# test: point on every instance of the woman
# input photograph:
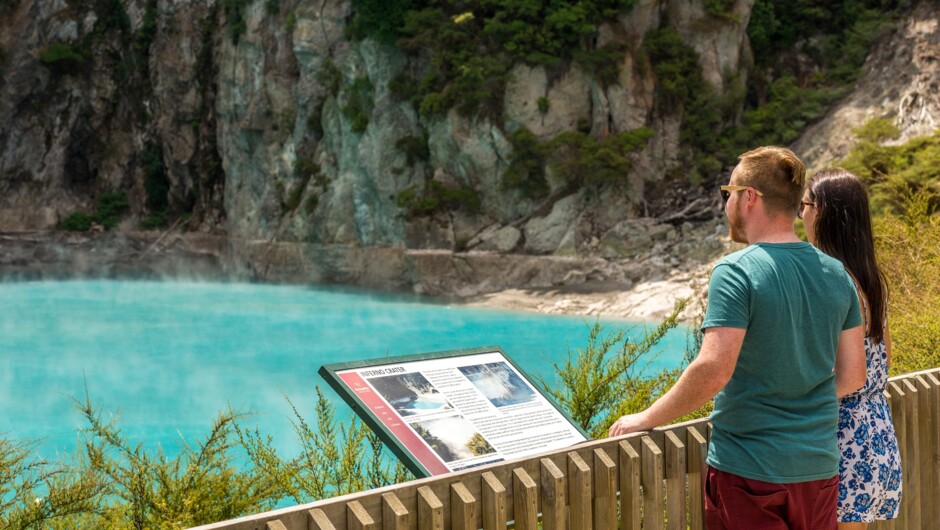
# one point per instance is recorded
(837, 219)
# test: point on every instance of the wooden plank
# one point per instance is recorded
(912, 437)
(696, 451)
(524, 500)
(675, 482)
(463, 508)
(275, 525)
(630, 493)
(652, 481)
(933, 379)
(933, 448)
(394, 514)
(317, 520)
(605, 491)
(928, 497)
(579, 492)
(554, 490)
(430, 510)
(357, 518)
(899, 416)
(494, 502)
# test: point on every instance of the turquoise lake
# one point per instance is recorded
(164, 358)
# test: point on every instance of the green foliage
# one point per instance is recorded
(579, 158)
(110, 208)
(887, 168)
(202, 484)
(609, 377)
(414, 148)
(273, 7)
(156, 184)
(112, 16)
(910, 257)
(62, 58)
(335, 458)
(37, 494)
(720, 8)
(234, 17)
(76, 222)
(290, 22)
(330, 77)
(683, 89)
(472, 46)
(544, 104)
(576, 157)
(904, 189)
(789, 109)
(379, 19)
(604, 62)
(526, 171)
(437, 198)
(359, 104)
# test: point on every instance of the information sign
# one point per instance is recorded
(447, 411)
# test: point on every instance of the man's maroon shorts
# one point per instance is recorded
(737, 503)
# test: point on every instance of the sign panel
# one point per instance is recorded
(448, 411)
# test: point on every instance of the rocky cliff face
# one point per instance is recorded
(236, 116)
(901, 81)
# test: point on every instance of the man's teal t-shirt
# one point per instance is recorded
(776, 419)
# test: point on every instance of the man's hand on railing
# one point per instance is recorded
(628, 424)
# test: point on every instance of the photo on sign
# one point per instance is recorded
(499, 383)
(410, 394)
(453, 438)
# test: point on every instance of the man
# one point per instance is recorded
(782, 338)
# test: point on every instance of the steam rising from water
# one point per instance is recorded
(167, 357)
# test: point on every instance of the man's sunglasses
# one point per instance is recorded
(726, 191)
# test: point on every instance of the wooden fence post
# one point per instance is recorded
(430, 510)
(524, 500)
(494, 502)
(629, 487)
(317, 520)
(652, 479)
(394, 514)
(357, 518)
(696, 451)
(463, 508)
(579, 492)
(605, 491)
(675, 482)
(554, 488)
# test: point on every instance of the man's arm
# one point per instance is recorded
(703, 378)
(850, 361)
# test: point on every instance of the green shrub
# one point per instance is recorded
(76, 222)
(62, 58)
(437, 198)
(608, 378)
(110, 208)
(156, 184)
(359, 104)
(544, 104)
(415, 149)
(904, 186)
(576, 157)
(526, 171)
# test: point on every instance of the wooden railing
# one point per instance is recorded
(651, 481)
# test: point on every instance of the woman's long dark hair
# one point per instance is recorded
(843, 230)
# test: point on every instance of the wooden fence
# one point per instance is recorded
(651, 481)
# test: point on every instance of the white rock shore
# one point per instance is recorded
(643, 302)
